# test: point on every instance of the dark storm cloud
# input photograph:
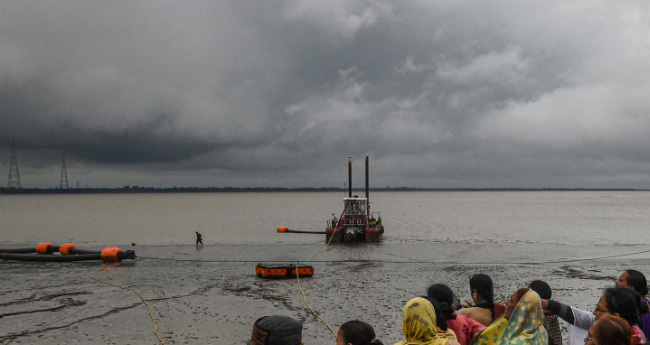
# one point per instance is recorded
(442, 94)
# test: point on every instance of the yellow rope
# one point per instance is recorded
(308, 306)
(322, 250)
(304, 297)
(155, 325)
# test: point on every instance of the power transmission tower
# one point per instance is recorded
(14, 176)
(64, 175)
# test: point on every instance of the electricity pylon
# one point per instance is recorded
(64, 175)
(14, 177)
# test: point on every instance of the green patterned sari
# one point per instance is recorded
(523, 328)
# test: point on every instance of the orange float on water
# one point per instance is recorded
(43, 248)
(68, 251)
(64, 249)
(109, 254)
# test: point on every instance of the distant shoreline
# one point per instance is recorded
(137, 189)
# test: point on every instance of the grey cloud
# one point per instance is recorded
(487, 94)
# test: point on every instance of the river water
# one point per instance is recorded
(554, 217)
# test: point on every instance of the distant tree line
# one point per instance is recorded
(138, 189)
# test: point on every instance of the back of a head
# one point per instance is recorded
(445, 298)
(441, 319)
(482, 283)
(627, 303)
(542, 288)
(637, 281)
(359, 333)
(441, 293)
(612, 330)
(277, 330)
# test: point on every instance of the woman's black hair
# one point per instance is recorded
(482, 283)
(542, 288)
(445, 298)
(441, 320)
(359, 333)
(636, 280)
(628, 303)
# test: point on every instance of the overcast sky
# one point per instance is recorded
(279, 93)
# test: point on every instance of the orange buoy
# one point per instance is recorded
(43, 248)
(283, 229)
(64, 249)
(109, 254)
(258, 270)
(279, 272)
(302, 271)
(283, 271)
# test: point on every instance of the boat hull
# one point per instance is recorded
(372, 235)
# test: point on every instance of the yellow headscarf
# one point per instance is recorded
(449, 334)
(419, 322)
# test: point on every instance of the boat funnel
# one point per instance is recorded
(367, 187)
(349, 177)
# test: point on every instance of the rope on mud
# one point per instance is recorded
(153, 319)
(448, 262)
(587, 259)
(304, 297)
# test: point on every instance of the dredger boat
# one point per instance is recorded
(356, 223)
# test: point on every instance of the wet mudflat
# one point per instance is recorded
(213, 296)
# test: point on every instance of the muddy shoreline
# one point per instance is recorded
(212, 296)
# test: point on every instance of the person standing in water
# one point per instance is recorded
(199, 239)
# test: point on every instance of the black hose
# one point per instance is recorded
(18, 250)
(306, 232)
(84, 251)
(50, 258)
(52, 249)
(129, 254)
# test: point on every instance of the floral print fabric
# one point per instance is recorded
(523, 328)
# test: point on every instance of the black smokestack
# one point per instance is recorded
(349, 177)
(367, 185)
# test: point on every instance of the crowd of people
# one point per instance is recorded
(530, 316)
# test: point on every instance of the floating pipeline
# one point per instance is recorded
(284, 229)
(44, 252)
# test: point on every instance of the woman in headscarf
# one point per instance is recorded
(520, 324)
(419, 323)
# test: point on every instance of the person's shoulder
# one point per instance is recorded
(470, 311)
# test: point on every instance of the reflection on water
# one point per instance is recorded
(581, 217)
